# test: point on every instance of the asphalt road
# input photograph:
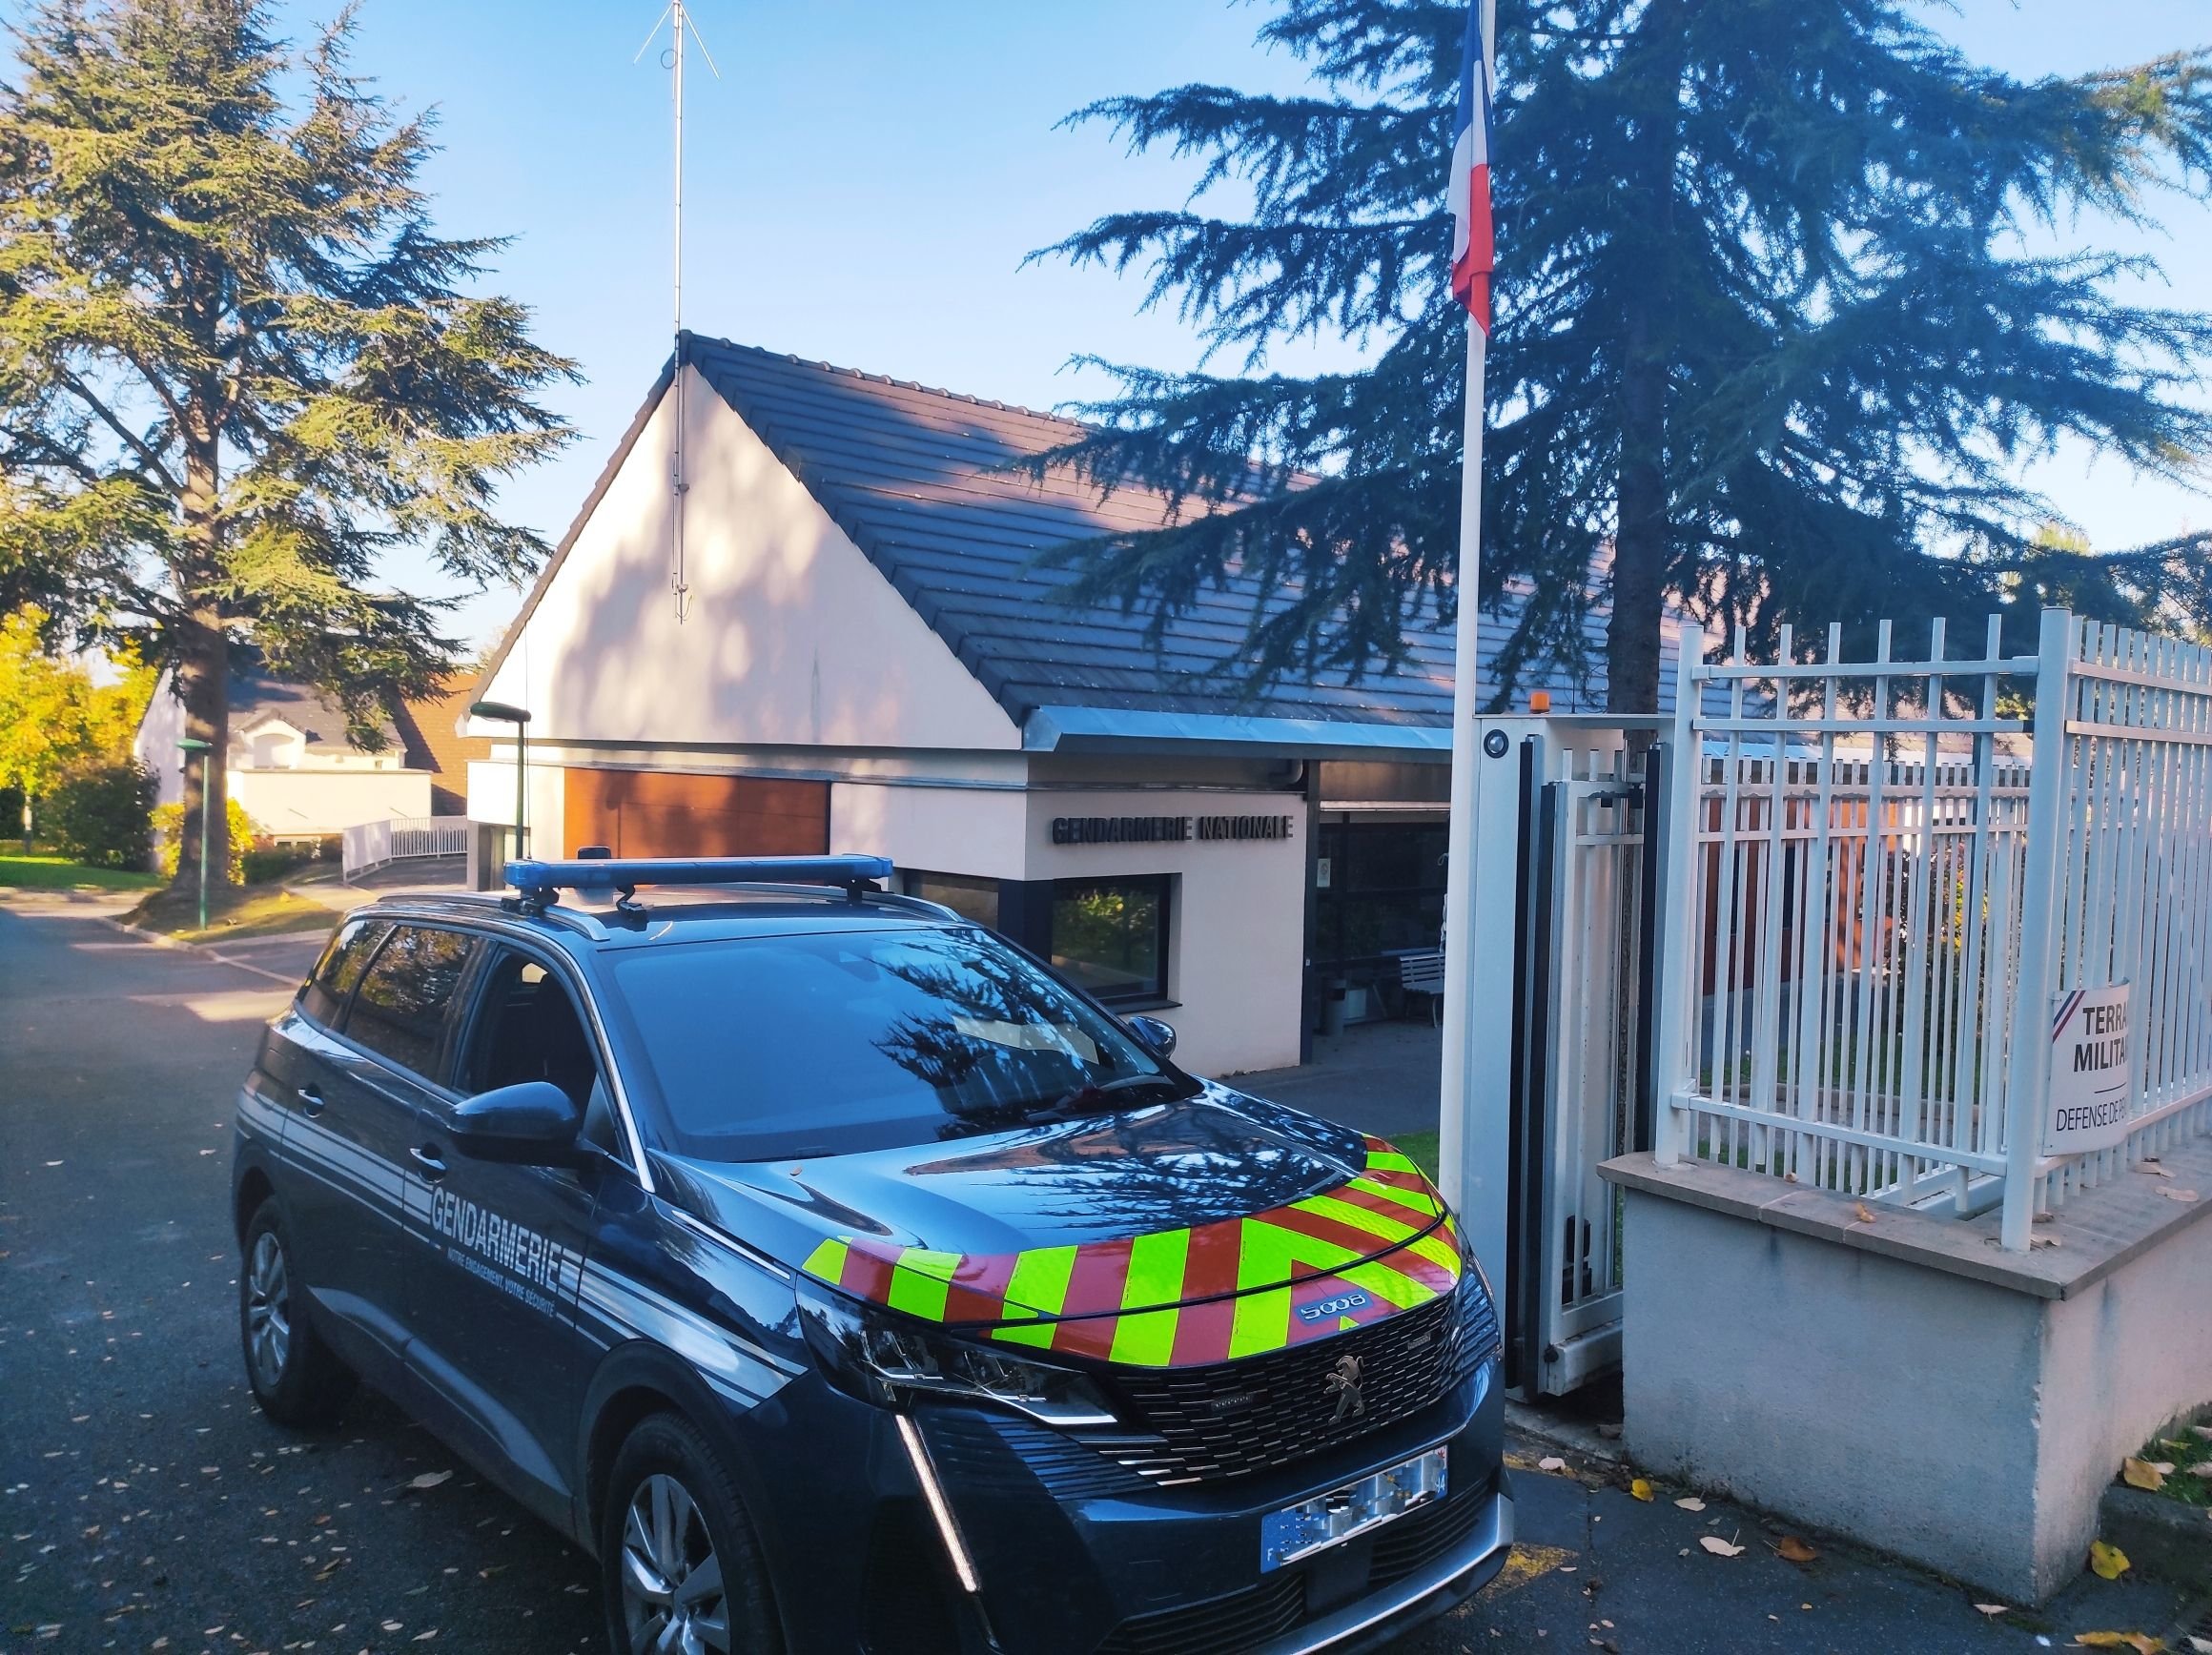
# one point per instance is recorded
(145, 1505)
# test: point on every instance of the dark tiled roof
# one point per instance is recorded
(256, 693)
(913, 476)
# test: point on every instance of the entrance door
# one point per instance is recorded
(658, 813)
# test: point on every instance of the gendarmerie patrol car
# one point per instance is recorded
(845, 1280)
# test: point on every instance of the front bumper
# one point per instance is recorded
(1066, 1554)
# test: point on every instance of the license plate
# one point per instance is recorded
(1327, 1518)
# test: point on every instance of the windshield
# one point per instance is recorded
(838, 1041)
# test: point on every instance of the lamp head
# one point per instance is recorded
(499, 711)
(194, 745)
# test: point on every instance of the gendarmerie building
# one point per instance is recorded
(870, 657)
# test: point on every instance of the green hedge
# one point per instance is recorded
(101, 815)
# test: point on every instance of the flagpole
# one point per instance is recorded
(1473, 1167)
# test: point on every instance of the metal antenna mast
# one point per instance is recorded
(672, 59)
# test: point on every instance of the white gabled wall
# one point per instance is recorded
(792, 637)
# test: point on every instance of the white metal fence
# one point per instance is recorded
(371, 844)
(1873, 898)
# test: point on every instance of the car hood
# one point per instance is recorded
(1204, 1230)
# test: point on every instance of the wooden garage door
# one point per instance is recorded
(653, 813)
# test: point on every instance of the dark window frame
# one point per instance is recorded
(438, 1075)
(331, 1022)
(1153, 996)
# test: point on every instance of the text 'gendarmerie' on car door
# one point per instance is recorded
(842, 1277)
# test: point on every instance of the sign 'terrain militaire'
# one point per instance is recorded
(2092, 1088)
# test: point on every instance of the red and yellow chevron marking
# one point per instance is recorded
(1184, 1297)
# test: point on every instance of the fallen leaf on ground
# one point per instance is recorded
(1551, 1463)
(1640, 1488)
(2202, 1432)
(1866, 1214)
(2036, 1241)
(2201, 1646)
(2202, 1468)
(2142, 1474)
(1690, 1502)
(2153, 1168)
(2108, 1563)
(2141, 1643)
(1793, 1550)
(2173, 1195)
(429, 1480)
(1719, 1548)
(1993, 1610)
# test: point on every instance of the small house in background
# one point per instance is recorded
(297, 772)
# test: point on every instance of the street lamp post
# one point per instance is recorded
(188, 745)
(500, 712)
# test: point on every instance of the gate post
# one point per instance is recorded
(2028, 1069)
(1677, 912)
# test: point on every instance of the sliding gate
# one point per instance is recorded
(1562, 929)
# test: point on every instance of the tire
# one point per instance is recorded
(297, 1380)
(674, 1537)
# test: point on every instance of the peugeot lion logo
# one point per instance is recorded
(1344, 1384)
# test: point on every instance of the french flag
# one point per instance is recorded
(1473, 245)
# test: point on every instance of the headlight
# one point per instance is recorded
(884, 1357)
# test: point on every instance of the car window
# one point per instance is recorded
(849, 1040)
(528, 1027)
(340, 967)
(400, 1011)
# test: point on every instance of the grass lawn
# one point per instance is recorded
(1422, 1147)
(233, 913)
(42, 872)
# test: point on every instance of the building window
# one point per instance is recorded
(970, 898)
(1110, 936)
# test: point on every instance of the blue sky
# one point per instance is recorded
(866, 177)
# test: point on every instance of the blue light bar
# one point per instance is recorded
(539, 880)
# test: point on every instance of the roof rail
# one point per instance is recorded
(537, 880)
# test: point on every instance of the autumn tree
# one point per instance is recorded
(237, 364)
(56, 715)
(1790, 293)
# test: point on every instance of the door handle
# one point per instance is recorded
(427, 1157)
(310, 1100)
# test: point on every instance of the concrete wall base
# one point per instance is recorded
(1905, 1383)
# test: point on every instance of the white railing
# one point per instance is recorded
(1870, 893)
(371, 844)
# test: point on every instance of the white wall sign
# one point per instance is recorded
(2092, 1091)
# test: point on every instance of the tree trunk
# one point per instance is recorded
(203, 673)
(1640, 542)
(1640, 538)
(203, 679)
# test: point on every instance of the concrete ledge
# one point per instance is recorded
(2097, 1232)
(1906, 1382)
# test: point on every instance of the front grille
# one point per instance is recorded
(1203, 1424)
(1277, 1604)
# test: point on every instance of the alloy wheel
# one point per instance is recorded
(671, 1579)
(268, 1310)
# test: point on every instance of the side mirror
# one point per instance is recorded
(1155, 1034)
(532, 1123)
